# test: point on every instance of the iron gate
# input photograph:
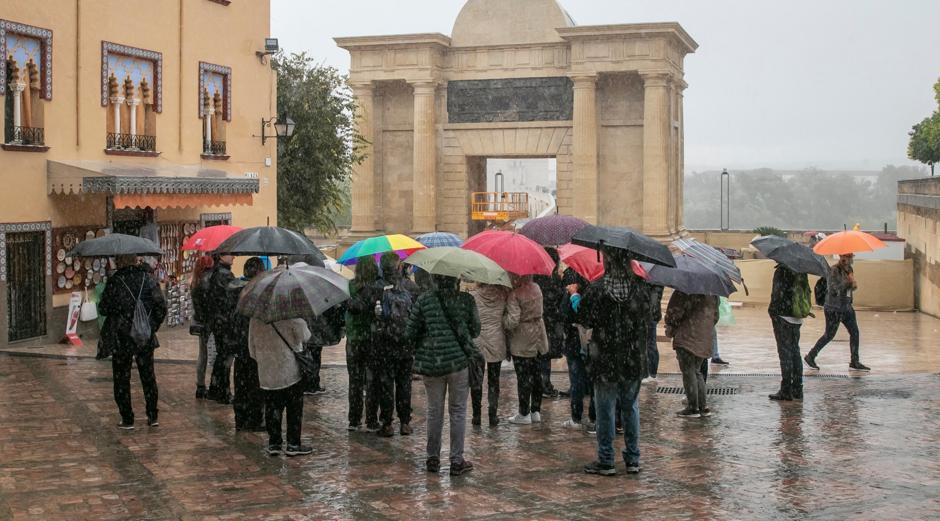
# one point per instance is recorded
(26, 285)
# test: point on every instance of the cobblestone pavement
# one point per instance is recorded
(856, 448)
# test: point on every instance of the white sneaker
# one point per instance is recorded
(519, 419)
(536, 417)
(649, 379)
(571, 424)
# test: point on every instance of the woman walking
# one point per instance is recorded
(442, 326)
(491, 305)
(359, 316)
(527, 340)
(690, 322)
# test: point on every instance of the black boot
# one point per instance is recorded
(477, 421)
(494, 418)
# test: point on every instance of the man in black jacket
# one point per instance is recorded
(787, 332)
(221, 309)
(248, 402)
(118, 303)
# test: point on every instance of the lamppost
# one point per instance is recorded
(283, 128)
(725, 200)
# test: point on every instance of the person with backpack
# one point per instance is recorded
(360, 312)
(221, 309)
(491, 304)
(134, 308)
(835, 295)
(442, 325)
(200, 324)
(617, 310)
(575, 337)
(248, 401)
(690, 322)
(528, 340)
(553, 292)
(789, 305)
(393, 355)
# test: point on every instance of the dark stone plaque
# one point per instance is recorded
(511, 100)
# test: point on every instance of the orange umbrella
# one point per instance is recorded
(852, 241)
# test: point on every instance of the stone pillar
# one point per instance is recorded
(132, 105)
(680, 152)
(656, 155)
(208, 122)
(424, 215)
(364, 183)
(117, 102)
(584, 148)
(17, 87)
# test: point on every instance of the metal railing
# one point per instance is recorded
(133, 142)
(214, 148)
(499, 206)
(31, 136)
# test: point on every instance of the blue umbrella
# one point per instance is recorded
(440, 240)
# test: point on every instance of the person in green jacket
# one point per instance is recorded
(442, 326)
(359, 316)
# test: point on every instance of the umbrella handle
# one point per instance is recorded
(747, 292)
(600, 245)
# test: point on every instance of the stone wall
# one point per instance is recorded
(919, 223)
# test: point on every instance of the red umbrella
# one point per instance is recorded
(582, 260)
(208, 239)
(513, 252)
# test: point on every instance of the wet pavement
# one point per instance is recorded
(856, 448)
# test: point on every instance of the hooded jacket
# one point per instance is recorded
(783, 291)
(439, 349)
(491, 304)
(523, 322)
(690, 322)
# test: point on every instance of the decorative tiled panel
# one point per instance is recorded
(20, 228)
(19, 38)
(216, 78)
(131, 61)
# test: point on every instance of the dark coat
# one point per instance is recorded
(656, 304)
(782, 293)
(202, 308)
(221, 307)
(438, 351)
(690, 322)
(553, 291)
(618, 312)
(237, 337)
(572, 338)
(360, 313)
(118, 303)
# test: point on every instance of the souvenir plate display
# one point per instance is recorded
(75, 272)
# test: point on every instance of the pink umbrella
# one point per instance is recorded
(208, 239)
(585, 262)
(513, 252)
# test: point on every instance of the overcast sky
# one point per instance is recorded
(783, 84)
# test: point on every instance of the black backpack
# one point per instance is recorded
(390, 322)
(820, 290)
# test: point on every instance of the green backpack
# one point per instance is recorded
(802, 297)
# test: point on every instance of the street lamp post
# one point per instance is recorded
(725, 200)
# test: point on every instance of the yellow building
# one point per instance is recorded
(133, 116)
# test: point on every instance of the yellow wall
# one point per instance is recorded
(921, 228)
(882, 284)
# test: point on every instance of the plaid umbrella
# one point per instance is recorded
(553, 230)
(716, 260)
(298, 291)
(440, 240)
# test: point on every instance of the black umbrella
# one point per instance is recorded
(268, 240)
(116, 244)
(794, 256)
(635, 244)
(690, 276)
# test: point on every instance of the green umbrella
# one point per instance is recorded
(457, 262)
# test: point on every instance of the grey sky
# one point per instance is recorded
(786, 84)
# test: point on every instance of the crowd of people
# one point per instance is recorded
(403, 324)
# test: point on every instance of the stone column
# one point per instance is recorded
(116, 102)
(424, 215)
(364, 183)
(680, 152)
(207, 116)
(132, 105)
(656, 155)
(17, 87)
(584, 148)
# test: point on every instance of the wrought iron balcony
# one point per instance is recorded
(214, 148)
(131, 142)
(28, 136)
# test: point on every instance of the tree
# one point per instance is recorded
(315, 165)
(925, 137)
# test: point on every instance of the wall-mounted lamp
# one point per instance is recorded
(270, 47)
(283, 128)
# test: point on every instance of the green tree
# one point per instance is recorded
(315, 165)
(925, 137)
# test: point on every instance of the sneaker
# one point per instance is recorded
(811, 362)
(405, 429)
(705, 412)
(298, 450)
(619, 430)
(780, 397)
(564, 394)
(552, 393)
(688, 413)
(433, 465)
(719, 361)
(590, 427)
(126, 426)
(386, 431)
(858, 366)
(153, 423)
(372, 427)
(649, 380)
(353, 428)
(632, 468)
(461, 467)
(274, 450)
(201, 392)
(521, 420)
(536, 417)
(600, 469)
(571, 424)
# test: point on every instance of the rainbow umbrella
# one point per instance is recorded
(376, 246)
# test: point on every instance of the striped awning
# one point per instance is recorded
(168, 180)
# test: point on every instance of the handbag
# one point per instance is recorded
(89, 310)
(306, 365)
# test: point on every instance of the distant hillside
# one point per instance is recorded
(802, 200)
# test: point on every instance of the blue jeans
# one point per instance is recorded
(652, 350)
(580, 387)
(606, 395)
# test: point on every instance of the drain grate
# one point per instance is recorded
(777, 375)
(714, 391)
